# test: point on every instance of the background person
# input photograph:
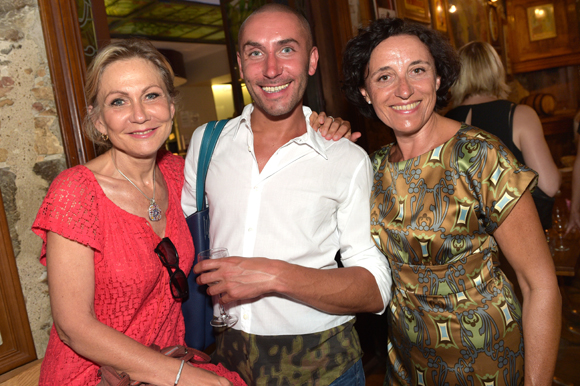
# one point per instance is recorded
(443, 194)
(111, 297)
(478, 97)
(574, 219)
(284, 200)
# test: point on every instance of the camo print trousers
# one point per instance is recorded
(306, 360)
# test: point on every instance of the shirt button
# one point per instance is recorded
(246, 316)
(250, 229)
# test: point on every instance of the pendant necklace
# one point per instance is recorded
(154, 210)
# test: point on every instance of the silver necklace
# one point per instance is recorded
(154, 210)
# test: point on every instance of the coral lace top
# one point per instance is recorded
(132, 293)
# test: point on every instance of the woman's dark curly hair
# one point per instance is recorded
(359, 49)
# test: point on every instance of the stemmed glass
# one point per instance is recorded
(560, 226)
(224, 319)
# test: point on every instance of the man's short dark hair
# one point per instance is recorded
(274, 7)
(359, 49)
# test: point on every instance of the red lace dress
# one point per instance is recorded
(132, 292)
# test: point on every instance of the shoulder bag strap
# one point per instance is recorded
(212, 132)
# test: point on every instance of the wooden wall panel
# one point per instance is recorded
(332, 28)
(562, 50)
(17, 347)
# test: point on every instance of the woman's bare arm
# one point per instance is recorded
(71, 286)
(522, 241)
(528, 136)
(574, 221)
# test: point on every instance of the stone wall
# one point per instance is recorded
(31, 152)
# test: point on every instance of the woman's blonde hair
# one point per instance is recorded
(482, 73)
(114, 52)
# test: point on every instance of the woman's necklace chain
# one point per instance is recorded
(154, 210)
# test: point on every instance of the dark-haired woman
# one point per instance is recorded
(444, 196)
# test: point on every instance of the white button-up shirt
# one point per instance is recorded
(310, 201)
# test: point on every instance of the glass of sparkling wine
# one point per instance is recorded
(560, 226)
(224, 319)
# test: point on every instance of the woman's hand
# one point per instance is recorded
(332, 128)
(193, 376)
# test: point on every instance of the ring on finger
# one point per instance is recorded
(331, 117)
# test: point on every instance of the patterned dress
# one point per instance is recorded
(454, 319)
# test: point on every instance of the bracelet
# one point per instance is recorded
(179, 373)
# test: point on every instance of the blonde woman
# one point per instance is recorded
(478, 97)
(107, 228)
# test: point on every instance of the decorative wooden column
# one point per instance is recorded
(67, 68)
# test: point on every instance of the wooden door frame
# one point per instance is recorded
(17, 347)
(67, 69)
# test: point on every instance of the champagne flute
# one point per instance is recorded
(224, 319)
(560, 226)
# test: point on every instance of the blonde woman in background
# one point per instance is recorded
(478, 98)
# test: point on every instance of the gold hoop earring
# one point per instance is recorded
(104, 137)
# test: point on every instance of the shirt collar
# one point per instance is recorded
(245, 118)
(311, 138)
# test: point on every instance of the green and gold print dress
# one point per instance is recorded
(454, 319)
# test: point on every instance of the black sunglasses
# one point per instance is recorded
(170, 260)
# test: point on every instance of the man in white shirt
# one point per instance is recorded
(284, 200)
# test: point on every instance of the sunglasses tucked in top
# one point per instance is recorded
(170, 260)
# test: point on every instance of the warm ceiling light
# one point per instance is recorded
(452, 9)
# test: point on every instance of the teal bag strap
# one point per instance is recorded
(212, 132)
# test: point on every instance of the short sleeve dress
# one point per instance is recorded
(132, 293)
(454, 319)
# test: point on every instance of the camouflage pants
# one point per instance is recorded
(313, 359)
